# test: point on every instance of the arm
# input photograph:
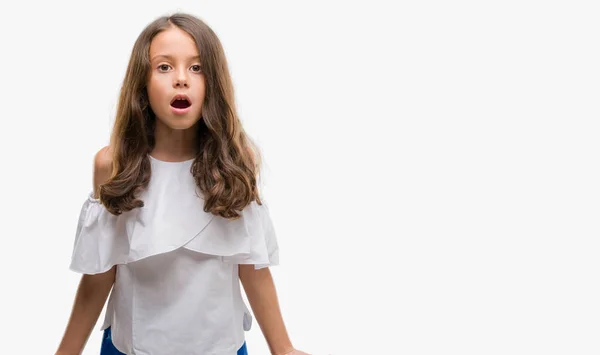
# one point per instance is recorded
(89, 300)
(93, 290)
(262, 296)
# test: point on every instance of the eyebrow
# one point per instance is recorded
(196, 57)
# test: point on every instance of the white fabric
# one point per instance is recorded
(177, 288)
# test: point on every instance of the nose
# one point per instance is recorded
(181, 79)
(181, 82)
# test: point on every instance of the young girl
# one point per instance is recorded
(175, 220)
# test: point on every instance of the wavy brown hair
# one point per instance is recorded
(227, 164)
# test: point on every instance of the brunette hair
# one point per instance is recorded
(227, 165)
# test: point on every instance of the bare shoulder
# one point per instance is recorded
(103, 159)
(102, 167)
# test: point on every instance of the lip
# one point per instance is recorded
(180, 111)
(181, 96)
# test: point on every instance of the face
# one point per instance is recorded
(176, 83)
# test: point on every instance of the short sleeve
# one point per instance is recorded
(265, 249)
(100, 239)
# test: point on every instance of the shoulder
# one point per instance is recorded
(103, 159)
(102, 167)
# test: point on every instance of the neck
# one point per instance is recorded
(174, 144)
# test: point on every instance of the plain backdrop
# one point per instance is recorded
(431, 166)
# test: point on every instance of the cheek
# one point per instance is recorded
(155, 90)
(201, 91)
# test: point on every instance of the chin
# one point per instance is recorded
(179, 123)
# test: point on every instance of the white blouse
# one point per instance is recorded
(176, 288)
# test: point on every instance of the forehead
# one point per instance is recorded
(173, 42)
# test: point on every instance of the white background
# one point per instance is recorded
(431, 166)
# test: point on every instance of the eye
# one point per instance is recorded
(163, 67)
(196, 68)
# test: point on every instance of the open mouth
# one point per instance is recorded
(181, 103)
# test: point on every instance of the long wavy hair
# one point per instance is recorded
(226, 168)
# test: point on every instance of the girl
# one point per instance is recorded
(175, 217)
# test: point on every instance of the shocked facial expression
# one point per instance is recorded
(176, 84)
